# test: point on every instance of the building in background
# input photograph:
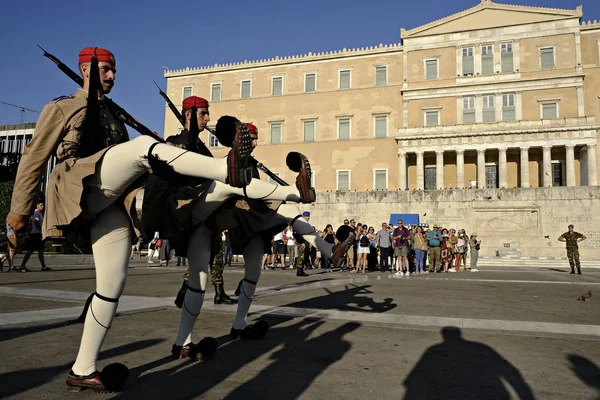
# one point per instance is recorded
(497, 97)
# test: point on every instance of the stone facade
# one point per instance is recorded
(527, 221)
(495, 97)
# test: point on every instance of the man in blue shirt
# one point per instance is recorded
(384, 241)
(434, 239)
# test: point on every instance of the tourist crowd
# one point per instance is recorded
(405, 250)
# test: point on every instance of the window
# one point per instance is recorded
(487, 59)
(557, 176)
(489, 109)
(212, 140)
(275, 132)
(491, 176)
(507, 57)
(468, 62)
(547, 58)
(343, 180)
(309, 130)
(344, 79)
(469, 110)
(380, 179)
(508, 107)
(277, 86)
(431, 69)
(343, 128)
(271, 180)
(432, 118)
(215, 92)
(187, 91)
(549, 110)
(381, 75)
(430, 178)
(246, 90)
(381, 126)
(310, 83)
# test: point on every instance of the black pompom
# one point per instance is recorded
(261, 327)
(343, 232)
(226, 129)
(113, 376)
(204, 350)
(294, 161)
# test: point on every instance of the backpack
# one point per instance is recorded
(364, 241)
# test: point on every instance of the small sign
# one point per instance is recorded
(506, 244)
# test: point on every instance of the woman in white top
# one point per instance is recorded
(291, 245)
(363, 249)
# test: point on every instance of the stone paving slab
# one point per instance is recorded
(19, 304)
(303, 358)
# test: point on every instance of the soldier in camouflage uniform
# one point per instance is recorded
(217, 267)
(301, 254)
(571, 238)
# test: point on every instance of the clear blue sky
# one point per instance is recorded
(146, 35)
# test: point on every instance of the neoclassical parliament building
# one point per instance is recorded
(486, 119)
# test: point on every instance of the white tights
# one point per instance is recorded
(111, 242)
(111, 232)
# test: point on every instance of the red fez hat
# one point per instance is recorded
(251, 128)
(85, 55)
(194, 101)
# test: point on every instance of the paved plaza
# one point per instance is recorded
(505, 332)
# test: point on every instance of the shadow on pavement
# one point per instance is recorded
(17, 382)
(12, 333)
(93, 277)
(292, 286)
(300, 361)
(461, 369)
(586, 370)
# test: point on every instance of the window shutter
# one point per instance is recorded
(547, 58)
(310, 83)
(549, 111)
(468, 116)
(431, 69)
(276, 133)
(215, 94)
(489, 115)
(245, 89)
(277, 86)
(344, 79)
(309, 131)
(507, 62)
(343, 180)
(468, 65)
(380, 180)
(431, 118)
(381, 127)
(344, 129)
(508, 113)
(380, 76)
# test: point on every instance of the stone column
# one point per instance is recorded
(460, 169)
(420, 171)
(481, 168)
(570, 161)
(502, 178)
(402, 171)
(547, 166)
(439, 169)
(525, 167)
(592, 166)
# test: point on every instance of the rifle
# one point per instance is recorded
(252, 160)
(120, 113)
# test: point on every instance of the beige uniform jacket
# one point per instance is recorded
(55, 132)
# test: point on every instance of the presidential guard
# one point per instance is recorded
(91, 190)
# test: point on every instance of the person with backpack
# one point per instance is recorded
(363, 249)
(35, 242)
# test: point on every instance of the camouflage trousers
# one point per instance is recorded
(573, 256)
(216, 270)
(300, 250)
